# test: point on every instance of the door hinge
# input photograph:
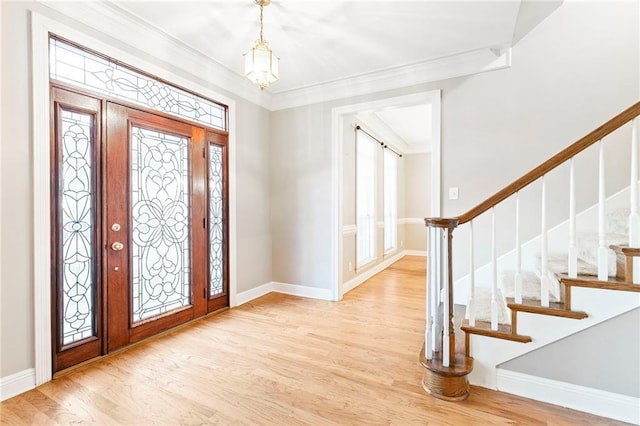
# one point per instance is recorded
(204, 222)
(204, 153)
(204, 292)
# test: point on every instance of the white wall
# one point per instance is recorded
(570, 74)
(584, 358)
(417, 199)
(16, 283)
(301, 196)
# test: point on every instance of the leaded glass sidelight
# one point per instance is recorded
(77, 226)
(81, 68)
(216, 221)
(160, 201)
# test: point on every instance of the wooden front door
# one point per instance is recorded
(143, 197)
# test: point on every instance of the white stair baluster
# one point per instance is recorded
(517, 279)
(544, 258)
(446, 347)
(494, 273)
(603, 264)
(472, 282)
(573, 250)
(435, 299)
(634, 217)
(428, 341)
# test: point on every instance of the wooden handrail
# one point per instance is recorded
(564, 155)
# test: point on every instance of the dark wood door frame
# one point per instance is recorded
(114, 327)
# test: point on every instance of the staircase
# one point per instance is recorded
(533, 294)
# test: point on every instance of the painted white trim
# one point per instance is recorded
(41, 203)
(17, 383)
(1, 195)
(359, 279)
(41, 26)
(337, 170)
(290, 289)
(422, 253)
(337, 179)
(411, 221)
(254, 293)
(349, 230)
(303, 291)
(467, 63)
(606, 404)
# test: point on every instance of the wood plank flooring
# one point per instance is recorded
(282, 360)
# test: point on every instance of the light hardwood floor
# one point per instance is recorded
(282, 360)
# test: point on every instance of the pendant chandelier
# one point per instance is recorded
(260, 63)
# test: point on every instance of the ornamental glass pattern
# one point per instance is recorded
(216, 221)
(160, 198)
(77, 227)
(89, 71)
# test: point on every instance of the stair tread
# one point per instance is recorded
(557, 309)
(613, 283)
(483, 328)
(625, 249)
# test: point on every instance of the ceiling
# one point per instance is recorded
(330, 49)
(325, 41)
(408, 129)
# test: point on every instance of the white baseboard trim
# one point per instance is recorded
(601, 403)
(422, 253)
(355, 282)
(303, 291)
(17, 383)
(321, 293)
(254, 293)
(292, 289)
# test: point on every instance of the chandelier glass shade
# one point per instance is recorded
(260, 63)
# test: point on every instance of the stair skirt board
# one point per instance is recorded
(589, 400)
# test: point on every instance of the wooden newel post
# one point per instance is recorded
(445, 376)
(441, 283)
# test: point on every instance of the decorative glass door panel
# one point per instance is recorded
(76, 282)
(160, 242)
(216, 221)
(154, 261)
(77, 225)
(140, 214)
(218, 218)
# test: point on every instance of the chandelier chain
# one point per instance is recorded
(261, 10)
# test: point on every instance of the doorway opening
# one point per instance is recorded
(344, 119)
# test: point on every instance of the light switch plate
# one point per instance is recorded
(453, 193)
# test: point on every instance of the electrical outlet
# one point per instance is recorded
(453, 193)
(401, 243)
(350, 266)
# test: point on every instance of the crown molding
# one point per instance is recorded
(117, 23)
(468, 63)
(112, 21)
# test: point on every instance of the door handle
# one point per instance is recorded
(117, 246)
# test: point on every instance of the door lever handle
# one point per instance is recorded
(117, 246)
